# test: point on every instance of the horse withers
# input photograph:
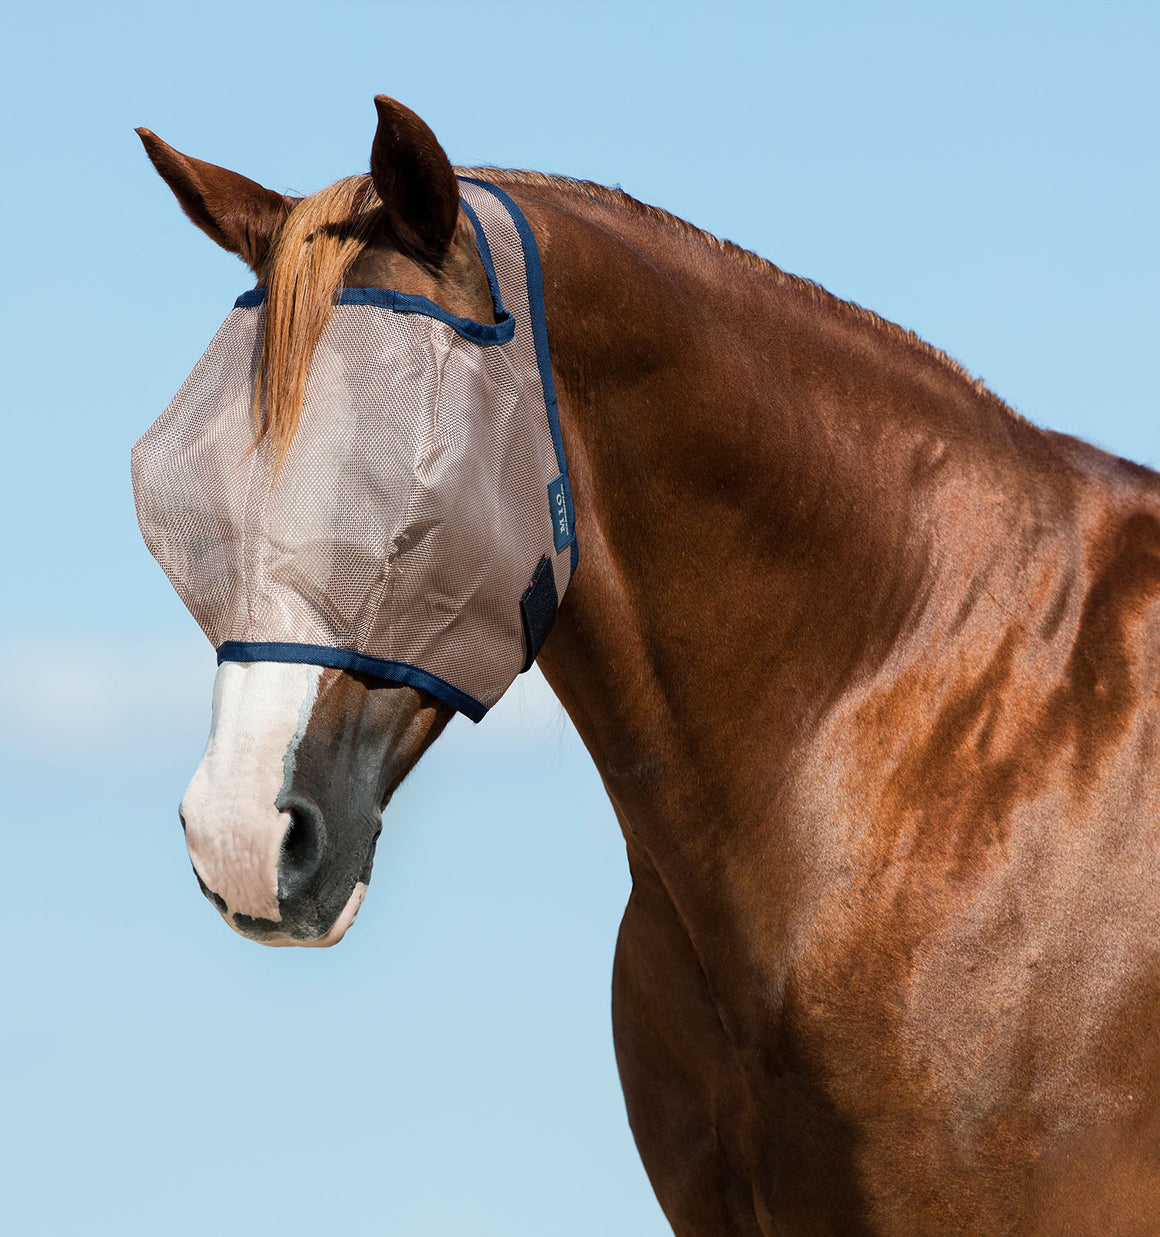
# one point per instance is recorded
(868, 665)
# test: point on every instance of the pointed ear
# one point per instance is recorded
(413, 177)
(233, 210)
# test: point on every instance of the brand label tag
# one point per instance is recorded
(558, 500)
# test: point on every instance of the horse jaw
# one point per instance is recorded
(233, 827)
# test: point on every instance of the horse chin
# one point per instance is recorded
(266, 932)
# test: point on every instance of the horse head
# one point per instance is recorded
(283, 813)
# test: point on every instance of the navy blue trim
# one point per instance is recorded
(540, 334)
(345, 659)
(498, 332)
(486, 333)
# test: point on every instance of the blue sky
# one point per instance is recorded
(986, 174)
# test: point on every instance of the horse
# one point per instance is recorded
(869, 667)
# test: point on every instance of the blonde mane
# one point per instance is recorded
(323, 235)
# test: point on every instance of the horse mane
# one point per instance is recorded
(617, 198)
(326, 232)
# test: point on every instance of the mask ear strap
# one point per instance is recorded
(538, 609)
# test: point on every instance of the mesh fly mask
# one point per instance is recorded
(421, 528)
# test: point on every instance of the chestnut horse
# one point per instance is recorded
(868, 665)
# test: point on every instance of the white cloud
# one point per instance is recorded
(111, 699)
(101, 697)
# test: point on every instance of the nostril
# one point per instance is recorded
(300, 845)
(302, 848)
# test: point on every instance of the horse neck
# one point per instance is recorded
(775, 495)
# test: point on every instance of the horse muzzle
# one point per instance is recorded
(283, 814)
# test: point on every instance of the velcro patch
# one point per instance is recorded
(538, 609)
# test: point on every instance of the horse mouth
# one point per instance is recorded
(270, 932)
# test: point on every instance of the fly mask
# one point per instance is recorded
(421, 527)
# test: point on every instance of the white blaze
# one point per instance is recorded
(233, 829)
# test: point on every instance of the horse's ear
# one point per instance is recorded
(413, 177)
(233, 210)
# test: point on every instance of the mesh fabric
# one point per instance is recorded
(412, 508)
